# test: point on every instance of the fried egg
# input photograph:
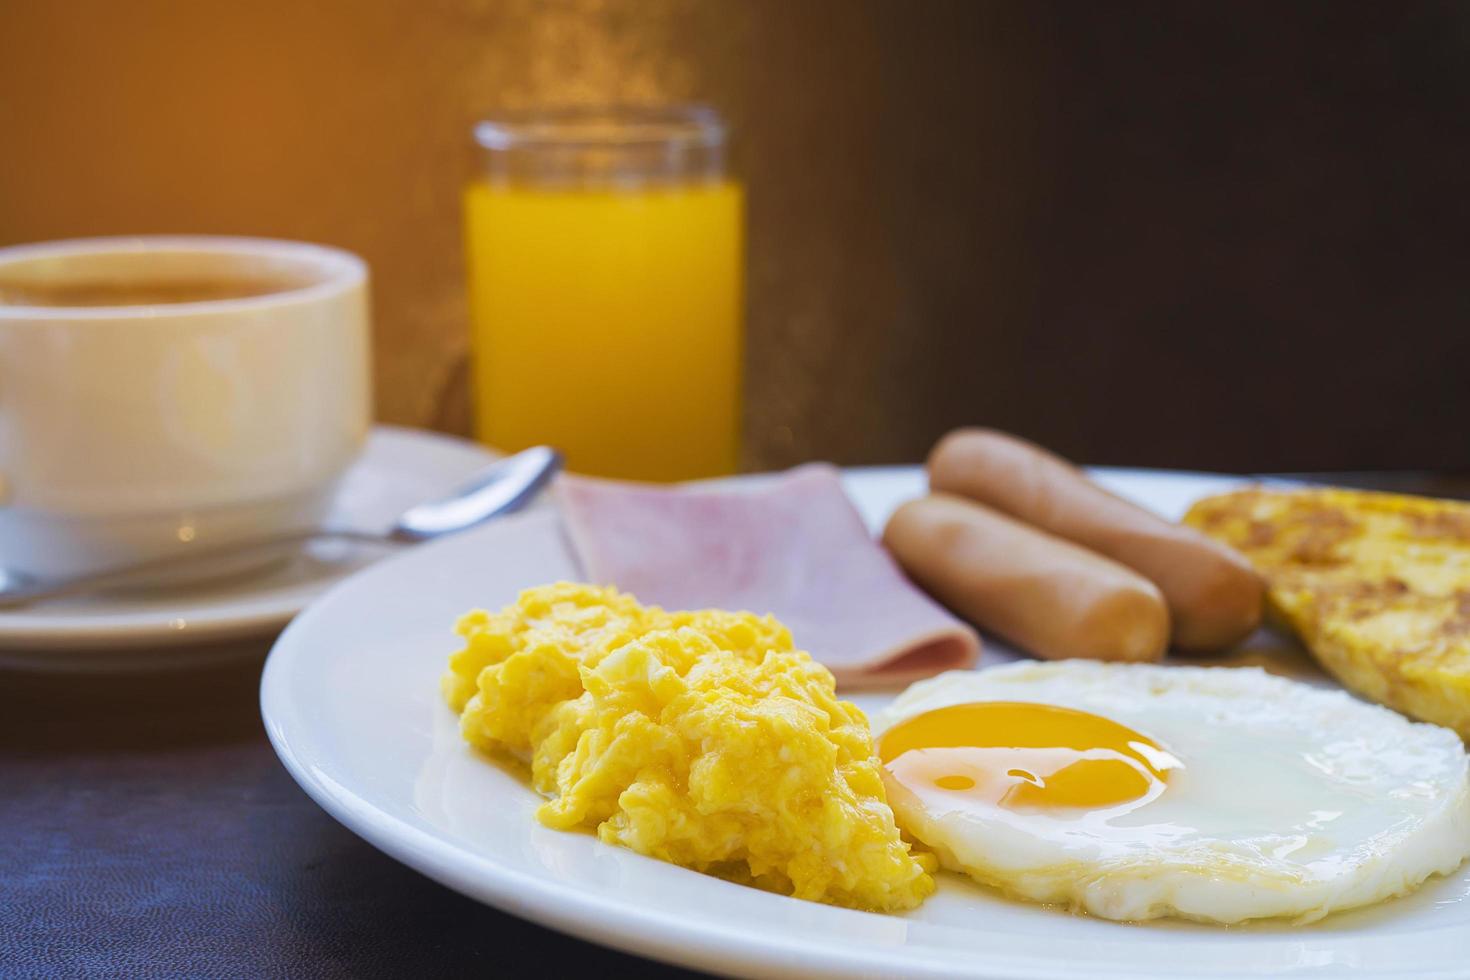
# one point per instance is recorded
(1134, 791)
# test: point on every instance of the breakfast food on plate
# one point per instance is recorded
(1135, 791)
(794, 547)
(1214, 596)
(701, 738)
(1044, 594)
(1377, 585)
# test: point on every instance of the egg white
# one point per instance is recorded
(1293, 801)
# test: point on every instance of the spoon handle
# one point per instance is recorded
(503, 487)
(183, 567)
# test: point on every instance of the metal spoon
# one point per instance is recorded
(503, 487)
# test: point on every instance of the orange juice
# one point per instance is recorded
(607, 323)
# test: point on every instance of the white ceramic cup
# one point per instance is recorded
(137, 432)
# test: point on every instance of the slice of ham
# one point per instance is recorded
(794, 546)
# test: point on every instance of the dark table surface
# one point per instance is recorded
(146, 829)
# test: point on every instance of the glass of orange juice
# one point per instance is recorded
(604, 252)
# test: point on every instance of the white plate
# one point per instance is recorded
(351, 701)
(399, 468)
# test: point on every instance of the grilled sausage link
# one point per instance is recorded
(1043, 594)
(1214, 596)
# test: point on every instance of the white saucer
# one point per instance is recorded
(400, 467)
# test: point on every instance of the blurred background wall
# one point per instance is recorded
(1228, 235)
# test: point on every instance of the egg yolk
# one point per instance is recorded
(1017, 754)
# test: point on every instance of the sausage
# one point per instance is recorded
(1043, 594)
(1214, 595)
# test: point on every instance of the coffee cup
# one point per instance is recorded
(164, 395)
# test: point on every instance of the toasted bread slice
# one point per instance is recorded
(1377, 586)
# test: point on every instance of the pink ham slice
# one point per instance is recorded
(795, 547)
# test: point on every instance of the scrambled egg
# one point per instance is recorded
(700, 738)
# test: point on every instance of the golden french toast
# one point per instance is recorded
(1377, 586)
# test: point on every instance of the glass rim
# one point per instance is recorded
(602, 126)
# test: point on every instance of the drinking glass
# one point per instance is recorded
(605, 259)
